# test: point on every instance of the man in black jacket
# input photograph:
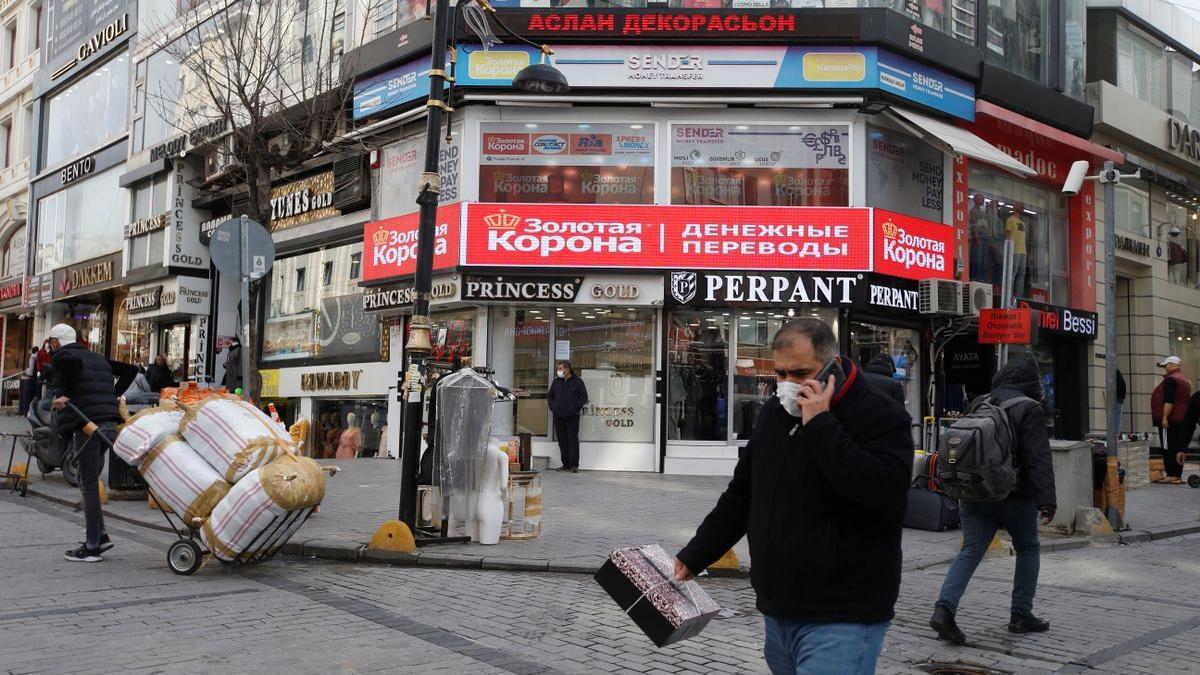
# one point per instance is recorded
(566, 399)
(158, 375)
(85, 379)
(880, 373)
(819, 492)
(1017, 514)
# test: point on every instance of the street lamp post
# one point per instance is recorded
(540, 78)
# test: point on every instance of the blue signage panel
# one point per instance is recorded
(925, 85)
(391, 88)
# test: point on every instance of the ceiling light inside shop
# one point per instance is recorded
(531, 125)
(791, 312)
(585, 126)
(743, 127)
(794, 127)
(636, 126)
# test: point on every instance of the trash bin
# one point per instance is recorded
(1072, 482)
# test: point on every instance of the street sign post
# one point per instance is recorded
(243, 248)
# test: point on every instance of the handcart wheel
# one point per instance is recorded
(1194, 480)
(184, 557)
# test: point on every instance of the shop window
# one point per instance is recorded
(1074, 18)
(901, 346)
(760, 165)
(1018, 36)
(1178, 234)
(174, 342)
(355, 426)
(1034, 219)
(85, 115)
(698, 379)
(91, 325)
(612, 349)
(13, 264)
(355, 265)
(452, 337)
(321, 321)
(84, 221)
(400, 168)
(754, 365)
(327, 273)
(904, 174)
(567, 163)
(1185, 343)
(532, 370)
(131, 339)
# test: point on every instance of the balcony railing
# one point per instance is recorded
(19, 76)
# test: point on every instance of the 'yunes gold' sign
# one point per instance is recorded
(334, 380)
(303, 202)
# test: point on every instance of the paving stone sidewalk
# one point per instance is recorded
(588, 514)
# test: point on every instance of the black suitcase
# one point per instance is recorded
(930, 511)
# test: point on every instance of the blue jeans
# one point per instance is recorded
(799, 648)
(980, 521)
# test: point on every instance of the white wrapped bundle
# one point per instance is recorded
(234, 436)
(181, 479)
(287, 484)
(145, 430)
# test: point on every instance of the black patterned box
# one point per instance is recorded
(642, 581)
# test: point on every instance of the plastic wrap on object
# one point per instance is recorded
(241, 520)
(143, 431)
(183, 480)
(234, 436)
(464, 422)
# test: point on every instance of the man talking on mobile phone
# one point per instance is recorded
(819, 492)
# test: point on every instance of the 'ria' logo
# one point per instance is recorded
(502, 221)
(890, 229)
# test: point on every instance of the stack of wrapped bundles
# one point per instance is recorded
(234, 436)
(230, 470)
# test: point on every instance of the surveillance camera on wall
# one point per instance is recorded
(1075, 178)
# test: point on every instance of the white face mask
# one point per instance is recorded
(562, 373)
(787, 393)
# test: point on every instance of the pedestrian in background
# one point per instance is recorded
(881, 374)
(28, 383)
(566, 399)
(233, 366)
(158, 375)
(85, 379)
(1017, 513)
(1120, 398)
(1168, 407)
(819, 492)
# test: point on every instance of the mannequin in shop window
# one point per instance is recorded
(1177, 258)
(986, 238)
(350, 443)
(1017, 231)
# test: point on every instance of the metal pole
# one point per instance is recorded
(243, 234)
(423, 282)
(1006, 295)
(1110, 319)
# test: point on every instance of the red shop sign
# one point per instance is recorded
(649, 237)
(13, 290)
(1005, 326)
(390, 246)
(912, 248)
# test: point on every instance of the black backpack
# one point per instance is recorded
(976, 452)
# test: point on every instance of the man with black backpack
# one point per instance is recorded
(996, 460)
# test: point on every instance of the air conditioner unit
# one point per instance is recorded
(220, 160)
(940, 296)
(976, 296)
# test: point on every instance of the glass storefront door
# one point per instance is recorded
(869, 341)
(173, 343)
(532, 371)
(356, 426)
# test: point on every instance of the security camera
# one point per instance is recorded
(1075, 178)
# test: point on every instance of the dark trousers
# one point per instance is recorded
(566, 429)
(1174, 439)
(91, 461)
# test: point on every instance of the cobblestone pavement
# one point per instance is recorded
(1115, 609)
(585, 516)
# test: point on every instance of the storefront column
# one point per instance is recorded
(500, 359)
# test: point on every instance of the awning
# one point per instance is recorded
(957, 141)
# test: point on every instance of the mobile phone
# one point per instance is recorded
(834, 368)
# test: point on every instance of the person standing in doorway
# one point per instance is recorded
(566, 399)
(1016, 230)
(1168, 407)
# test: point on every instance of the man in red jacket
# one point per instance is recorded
(1168, 406)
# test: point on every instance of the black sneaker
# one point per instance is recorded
(574, 469)
(1027, 623)
(564, 469)
(105, 543)
(84, 554)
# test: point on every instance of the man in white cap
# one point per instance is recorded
(85, 379)
(1168, 406)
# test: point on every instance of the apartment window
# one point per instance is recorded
(355, 265)
(27, 131)
(13, 264)
(37, 27)
(327, 273)
(1017, 36)
(149, 199)
(6, 139)
(337, 35)
(300, 274)
(10, 45)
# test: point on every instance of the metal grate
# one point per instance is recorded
(958, 668)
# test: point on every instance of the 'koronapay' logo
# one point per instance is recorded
(683, 286)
